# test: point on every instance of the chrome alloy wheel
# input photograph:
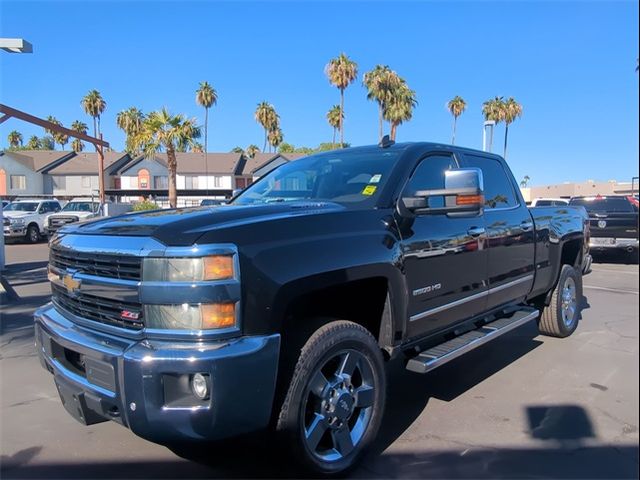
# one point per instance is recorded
(338, 405)
(569, 302)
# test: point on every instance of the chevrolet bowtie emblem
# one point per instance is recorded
(71, 284)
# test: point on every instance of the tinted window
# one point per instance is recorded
(610, 204)
(498, 190)
(544, 203)
(429, 175)
(54, 207)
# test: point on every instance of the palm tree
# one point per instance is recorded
(130, 121)
(380, 83)
(206, 96)
(77, 126)
(15, 139)
(525, 181)
(94, 105)
(456, 106)
(267, 117)
(275, 138)
(341, 72)
(334, 116)
(197, 148)
(252, 150)
(46, 143)
(237, 150)
(33, 143)
(493, 110)
(399, 108)
(162, 131)
(58, 137)
(512, 110)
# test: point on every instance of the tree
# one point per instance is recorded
(456, 106)
(33, 143)
(206, 96)
(275, 138)
(267, 117)
(94, 105)
(46, 143)
(512, 110)
(525, 181)
(161, 130)
(197, 148)
(252, 150)
(15, 139)
(381, 82)
(341, 72)
(237, 150)
(77, 145)
(399, 108)
(493, 110)
(130, 122)
(286, 148)
(334, 117)
(58, 137)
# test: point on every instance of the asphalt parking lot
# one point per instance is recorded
(522, 406)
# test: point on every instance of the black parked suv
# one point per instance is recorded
(614, 223)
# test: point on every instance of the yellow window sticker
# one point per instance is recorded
(369, 190)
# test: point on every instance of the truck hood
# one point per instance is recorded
(183, 226)
(17, 214)
(80, 215)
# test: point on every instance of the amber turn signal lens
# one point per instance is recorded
(218, 315)
(218, 267)
(469, 200)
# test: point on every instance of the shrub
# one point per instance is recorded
(144, 205)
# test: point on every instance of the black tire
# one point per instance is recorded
(557, 319)
(33, 234)
(355, 405)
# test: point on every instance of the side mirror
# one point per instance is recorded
(462, 194)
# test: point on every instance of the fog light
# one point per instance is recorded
(199, 386)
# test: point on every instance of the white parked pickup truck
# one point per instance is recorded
(26, 218)
(76, 210)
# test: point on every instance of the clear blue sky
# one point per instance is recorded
(571, 65)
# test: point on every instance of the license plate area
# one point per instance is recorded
(603, 241)
(79, 403)
(95, 371)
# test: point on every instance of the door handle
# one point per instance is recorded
(526, 226)
(476, 231)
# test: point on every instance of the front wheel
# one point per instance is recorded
(334, 404)
(560, 318)
(33, 234)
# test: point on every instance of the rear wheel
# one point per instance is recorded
(33, 234)
(334, 404)
(560, 318)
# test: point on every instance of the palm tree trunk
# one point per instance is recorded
(333, 142)
(172, 166)
(455, 121)
(95, 128)
(380, 131)
(341, 117)
(506, 134)
(206, 162)
(264, 147)
(394, 127)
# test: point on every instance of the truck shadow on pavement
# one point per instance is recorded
(561, 431)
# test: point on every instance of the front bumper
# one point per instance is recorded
(13, 231)
(610, 243)
(101, 377)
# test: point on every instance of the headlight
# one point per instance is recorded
(190, 317)
(216, 267)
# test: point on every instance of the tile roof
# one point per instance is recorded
(85, 163)
(37, 159)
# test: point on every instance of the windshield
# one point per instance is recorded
(342, 176)
(22, 207)
(81, 207)
(610, 205)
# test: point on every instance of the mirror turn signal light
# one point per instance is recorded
(470, 200)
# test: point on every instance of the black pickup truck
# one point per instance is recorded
(614, 223)
(280, 310)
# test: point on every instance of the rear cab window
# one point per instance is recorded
(498, 188)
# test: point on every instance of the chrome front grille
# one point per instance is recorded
(123, 267)
(57, 222)
(99, 309)
(6, 222)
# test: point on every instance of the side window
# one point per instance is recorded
(43, 208)
(429, 175)
(498, 190)
(54, 207)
